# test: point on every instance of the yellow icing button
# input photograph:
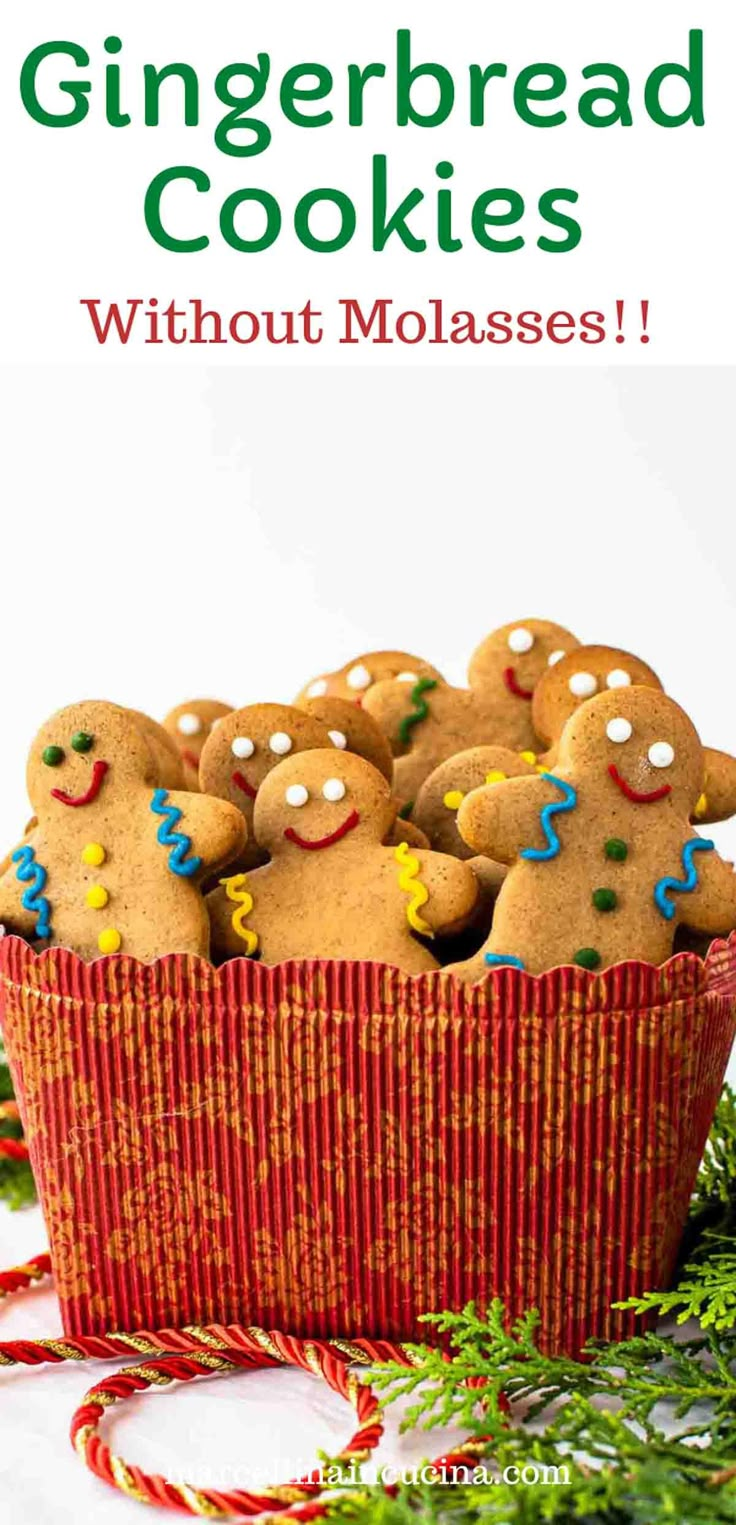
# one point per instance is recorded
(453, 799)
(97, 897)
(701, 807)
(93, 854)
(530, 757)
(109, 941)
(495, 776)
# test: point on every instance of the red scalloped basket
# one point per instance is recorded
(337, 1148)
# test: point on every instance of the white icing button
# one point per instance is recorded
(296, 795)
(318, 689)
(619, 730)
(555, 658)
(359, 677)
(338, 739)
(242, 747)
(661, 754)
(583, 685)
(520, 640)
(189, 724)
(334, 790)
(280, 743)
(407, 677)
(618, 678)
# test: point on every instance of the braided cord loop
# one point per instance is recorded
(182, 1355)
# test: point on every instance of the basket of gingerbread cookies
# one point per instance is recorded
(323, 1016)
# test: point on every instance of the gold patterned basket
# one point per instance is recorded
(336, 1148)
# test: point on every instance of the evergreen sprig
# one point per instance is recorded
(646, 1427)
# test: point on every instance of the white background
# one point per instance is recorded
(655, 204)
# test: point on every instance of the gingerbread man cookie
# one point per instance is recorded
(242, 750)
(604, 863)
(352, 729)
(591, 670)
(331, 888)
(583, 672)
(115, 861)
(432, 721)
(505, 670)
(355, 679)
(190, 725)
(441, 795)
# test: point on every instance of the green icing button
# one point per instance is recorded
(605, 900)
(587, 958)
(616, 849)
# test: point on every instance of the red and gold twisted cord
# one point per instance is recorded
(184, 1354)
(20, 1277)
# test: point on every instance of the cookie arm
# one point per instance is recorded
(501, 821)
(711, 905)
(719, 789)
(197, 826)
(440, 892)
(14, 915)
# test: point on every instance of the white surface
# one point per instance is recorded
(655, 208)
(252, 1428)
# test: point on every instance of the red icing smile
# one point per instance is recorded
(190, 758)
(241, 782)
(335, 836)
(515, 688)
(635, 795)
(98, 774)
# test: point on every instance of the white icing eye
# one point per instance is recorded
(242, 747)
(407, 677)
(318, 689)
(583, 685)
(618, 678)
(555, 658)
(359, 677)
(619, 730)
(296, 795)
(661, 754)
(338, 739)
(280, 743)
(333, 790)
(189, 725)
(520, 640)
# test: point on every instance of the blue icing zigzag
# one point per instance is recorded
(180, 844)
(34, 875)
(555, 807)
(685, 886)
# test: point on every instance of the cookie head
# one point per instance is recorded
(578, 676)
(85, 755)
(637, 745)
(249, 743)
(313, 803)
(513, 659)
(441, 795)
(352, 729)
(354, 679)
(191, 723)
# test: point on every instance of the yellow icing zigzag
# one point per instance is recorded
(412, 885)
(235, 889)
